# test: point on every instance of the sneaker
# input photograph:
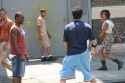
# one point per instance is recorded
(51, 58)
(44, 59)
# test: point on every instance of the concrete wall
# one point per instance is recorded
(58, 15)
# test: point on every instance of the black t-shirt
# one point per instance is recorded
(76, 35)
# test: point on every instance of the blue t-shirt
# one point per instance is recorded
(76, 35)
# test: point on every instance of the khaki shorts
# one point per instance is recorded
(3, 60)
(45, 42)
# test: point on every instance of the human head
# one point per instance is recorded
(43, 12)
(105, 14)
(77, 12)
(19, 17)
(3, 14)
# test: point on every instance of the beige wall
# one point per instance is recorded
(116, 11)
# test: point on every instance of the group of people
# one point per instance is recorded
(12, 35)
(75, 39)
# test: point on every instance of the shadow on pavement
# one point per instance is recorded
(3, 76)
(38, 61)
(115, 82)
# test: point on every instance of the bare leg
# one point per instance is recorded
(120, 63)
(101, 55)
(17, 80)
(62, 81)
(42, 51)
(93, 80)
(108, 56)
(7, 63)
(48, 50)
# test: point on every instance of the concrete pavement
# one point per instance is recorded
(48, 72)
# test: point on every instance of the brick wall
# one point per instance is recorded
(119, 25)
(102, 3)
(119, 22)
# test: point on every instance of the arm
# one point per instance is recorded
(65, 45)
(103, 30)
(39, 26)
(14, 33)
(116, 33)
(6, 46)
(48, 34)
(39, 32)
(94, 44)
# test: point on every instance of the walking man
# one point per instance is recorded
(75, 39)
(44, 36)
(5, 25)
(18, 49)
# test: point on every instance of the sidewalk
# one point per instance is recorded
(48, 72)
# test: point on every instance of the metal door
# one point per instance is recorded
(56, 19)
(58, 15)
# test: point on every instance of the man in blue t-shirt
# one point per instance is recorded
(75, 39)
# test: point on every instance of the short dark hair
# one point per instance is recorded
(106, 12)
(18, 14)
(2, 9)
(43, 10)
(77, 12)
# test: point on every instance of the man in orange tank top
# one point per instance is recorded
(5, 25)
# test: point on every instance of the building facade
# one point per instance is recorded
(58, 15)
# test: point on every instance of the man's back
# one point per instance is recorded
(76, 35)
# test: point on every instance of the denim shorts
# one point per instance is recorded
(80, 62)
(18, 67)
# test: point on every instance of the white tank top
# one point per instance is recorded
(110, 26)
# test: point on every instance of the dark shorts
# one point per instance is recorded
(18, 67)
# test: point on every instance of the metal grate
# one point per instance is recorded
(102, 3)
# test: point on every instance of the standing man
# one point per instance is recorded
(44, 36)
(5, 25)
(18, 49)
(75, 39)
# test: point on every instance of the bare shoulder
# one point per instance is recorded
(14, 30)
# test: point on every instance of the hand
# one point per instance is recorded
(5, 47)
(101, 36)
(92, 52)
(23, 58)
(27, 58)
(119, 40)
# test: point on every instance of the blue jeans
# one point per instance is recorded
(18, 67)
